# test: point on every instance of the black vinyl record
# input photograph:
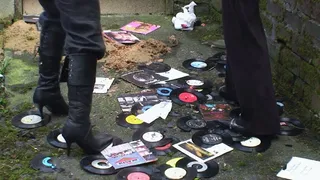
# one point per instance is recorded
(204, 169)
(198, 65)
(196, 83)
(151, 137)
(158, 67)
(168, 172)
(56, 139)
(143, 78)
(253, 145)
(167, 149)
(130, 121)
(290, 127)
(30, 119)
(97, 164)
(165, 89)
(184, 96)
(135, 173)
(187, 123)
(43, 163)
(209, 138)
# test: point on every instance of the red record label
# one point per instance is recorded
(188, 97)
(138, 176)
(162, 148)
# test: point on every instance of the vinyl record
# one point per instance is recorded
(169, 172)
(97, 164)
(130, 121)
(56, 139)
(158, 67)
(290, 127)
(198, 65)
(135, 173)
(43, 163)
(252, 144)
(141, 107)
(151, 137)
(204, 169)
(196, 83)
(173, 162)
(235, 136)
(167, 149)
(220, 56)
(209, 138)
(30, 119)
(184, 96)
(187, 123)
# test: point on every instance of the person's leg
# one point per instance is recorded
(84, 46)
(249, 62)
(52, 38)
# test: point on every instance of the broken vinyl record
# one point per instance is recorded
(30, 119)
(253, 144)
(151, 137)
(97, 164)
(209, 138)
(158, 67)
(184, 96)
(167, 149)
(135, 173)
(290, 127)
(198, 65)
(43, 163)
(169, 172)
(204, 169)
(187, 123)
(130, 121)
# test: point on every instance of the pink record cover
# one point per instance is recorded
(140, 27)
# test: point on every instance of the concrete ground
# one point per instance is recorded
(234, 165)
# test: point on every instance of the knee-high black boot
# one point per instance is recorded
(48, 92)
(81, 80)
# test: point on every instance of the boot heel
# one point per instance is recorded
(40, 108)
(68, 147)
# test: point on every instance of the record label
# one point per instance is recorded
(201, 167)
(31, 119)
(198, 64)
(60, 138)
(162, 148)
(251, 142)
(194, 82)
(145, 108)
(211, 139)
(175, 173)
(173, 162)
(280, 104)
(196, 124)
(47, 162)
(138, 176)
(152, 136)
(164, 91)
(132, 119)
(101, 164)
(188, 97)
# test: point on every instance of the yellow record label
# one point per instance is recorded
(132, 119)
(173, 162)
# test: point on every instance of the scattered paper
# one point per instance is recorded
(161, 109)
(173, 74)
(202, 154)
(140, 27)
(300, 169)
(123, 37)
(102, 85)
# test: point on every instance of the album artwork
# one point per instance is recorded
(140, 27)
(123, 37)
(128, 154)
(126, 101)
(215, 111)
(143, 78)
(202, 154)
(102, 85)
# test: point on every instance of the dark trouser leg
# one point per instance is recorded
(249, 62)
(51, 46)
(81, 21)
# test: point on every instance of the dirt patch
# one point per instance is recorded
(124, 57)
(21, 36)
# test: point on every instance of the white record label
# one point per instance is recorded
(251, 142)
(194, 82)
(60, 138)
(101, 164)
(201, 167)
(152, 136)
(31, 119)
(175, 173)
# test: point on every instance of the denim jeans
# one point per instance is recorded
(77, 22)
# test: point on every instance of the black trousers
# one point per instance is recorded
(249, 76)
(79, 21)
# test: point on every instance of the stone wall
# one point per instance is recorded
(6, 11)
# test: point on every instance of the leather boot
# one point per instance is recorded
(48, 92)
(81, 80)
